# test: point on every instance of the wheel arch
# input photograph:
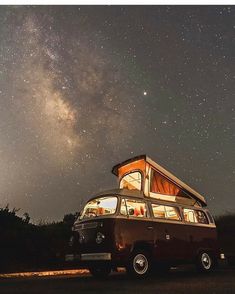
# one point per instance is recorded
(207, 250)
(211, 252)
(143, 245)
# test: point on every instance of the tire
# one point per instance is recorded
(205, 262)
(139, 265)
(100, 271)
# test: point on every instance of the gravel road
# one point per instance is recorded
(176, 281)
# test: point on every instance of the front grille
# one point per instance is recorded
(90, 225)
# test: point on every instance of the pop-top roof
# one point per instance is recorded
(166, 173)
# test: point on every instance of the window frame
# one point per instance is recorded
(133, 171)
(210, 217)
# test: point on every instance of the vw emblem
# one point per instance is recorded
(81, 238)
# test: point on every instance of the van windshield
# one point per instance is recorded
(99, 207)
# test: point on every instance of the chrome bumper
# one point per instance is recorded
(96, 256)
(72, 257)
(88, 256)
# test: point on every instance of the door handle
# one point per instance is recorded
(149, 227)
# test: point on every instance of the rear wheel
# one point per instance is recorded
(100, 271)
(139, 264)
(205, 262)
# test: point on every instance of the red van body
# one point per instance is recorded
(144, 225)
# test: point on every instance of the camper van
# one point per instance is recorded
(151, 222)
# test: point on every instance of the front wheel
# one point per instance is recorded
(205, 262)
(139, 264)
(100, 271)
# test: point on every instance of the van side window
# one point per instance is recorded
(172, 213)
(190, 215)
(165, 211)
(135, 208)
(195, 216)
(201, 217)
(159, 211)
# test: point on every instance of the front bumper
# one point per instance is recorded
(88, 257)
(72, 257)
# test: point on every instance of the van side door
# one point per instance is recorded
(134, 226)
(169, 238)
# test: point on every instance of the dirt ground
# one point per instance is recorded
(176, 281)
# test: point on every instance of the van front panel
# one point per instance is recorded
(94, 236)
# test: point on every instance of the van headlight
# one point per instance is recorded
(99, 238)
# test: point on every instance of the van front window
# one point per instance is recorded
(99, 207)
(131, 181)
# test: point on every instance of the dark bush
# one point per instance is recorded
(226, 235)
(26, 246)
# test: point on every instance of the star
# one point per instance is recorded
(75, 99)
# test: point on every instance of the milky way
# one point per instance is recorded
(83, 88)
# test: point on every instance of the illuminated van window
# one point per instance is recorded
(195, 216)
(201, 217)
(99, 207)
(167, 212)
(131, 181)
(134, 208)
(159, 211)
(172, 213)
(190, 215)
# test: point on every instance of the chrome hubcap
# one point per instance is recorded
(140, 264)
(206, 261)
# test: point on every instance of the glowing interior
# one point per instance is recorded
(131, 181)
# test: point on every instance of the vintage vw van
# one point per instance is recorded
(152, 222)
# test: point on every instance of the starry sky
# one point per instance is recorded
(85, 87)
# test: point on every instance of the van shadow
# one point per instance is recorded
(174, 275)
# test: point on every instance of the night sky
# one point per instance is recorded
(84, 88)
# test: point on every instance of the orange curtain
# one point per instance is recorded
(161, 185)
